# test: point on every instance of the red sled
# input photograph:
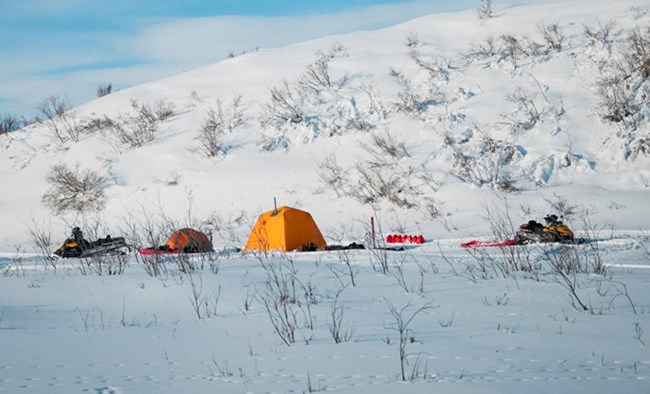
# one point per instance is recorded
(488, 244)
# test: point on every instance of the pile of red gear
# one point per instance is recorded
(404, 239)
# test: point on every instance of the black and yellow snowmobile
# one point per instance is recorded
(77, 246)
(534, 232)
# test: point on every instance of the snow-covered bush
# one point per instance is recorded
(74, 190)
(623, 93)
(553, 35)
(9, 123)
(485, 11)
(104, 89)
(216, 124)
(135, 130)
(57, 115)
(479, 159)
(317, 103)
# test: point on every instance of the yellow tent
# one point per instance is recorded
(284, 229)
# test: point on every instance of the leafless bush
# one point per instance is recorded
(338, 331)
(9, 123)
(139, 128)
(332, 175)
(390, 174)
(104, 264)
(104, 89)
(617, 100)
(485, 10)
(602, 35)
(638, 12)
(614, 289)
(203, 303)
(216, 125)
(568, 279)
(403, 320)
(412, 40)
(436, 68)
(622, 91)
(41, 236)
(512, 49)
(285, 106)
(552, 35)
(638, 332)
(316, 77)
(94, 124)
(286, 299)
(481, 164)
(563, 207)
(345, 257)
(386, 144)
(71, 189)
(59, 118)
(510, 260)
(377, 107)
(526, 114)
(482, 50)
(413, 101)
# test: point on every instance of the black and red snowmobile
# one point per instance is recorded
(553, 231)
(532, 232)
(77, 246)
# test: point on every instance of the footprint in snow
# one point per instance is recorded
(108, 390)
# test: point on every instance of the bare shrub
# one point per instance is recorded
(344, 256)
(526, 114)
(602, 35)
(104, 89)
(316, 76)
(95, 124)
(481, 163)
(332, 175)
(338, 331)
(403, 319)
(413, 101)
(563, 207)
(40, 234)
(285, 106)
(412, 40)
(510, 260)
(73, 189)
(552, 35)
(204, 303)
(512, 49)
(622, 91)
(217, 124)
(138, 129)
(481, 50)
(435, 67)
(286, 299)
(9, 123)
(105, 264)
(485, 11)
(59, 118)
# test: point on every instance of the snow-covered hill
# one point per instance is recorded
(421, 120)
(446, 126)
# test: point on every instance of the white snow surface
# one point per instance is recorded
(66, 325)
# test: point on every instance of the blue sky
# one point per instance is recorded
(69, 47)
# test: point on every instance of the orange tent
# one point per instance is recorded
(189, 240)
(284, 229)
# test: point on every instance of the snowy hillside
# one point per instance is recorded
(449, 126)
(440, 107)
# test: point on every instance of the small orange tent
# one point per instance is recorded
(189, 240)
(285, 229)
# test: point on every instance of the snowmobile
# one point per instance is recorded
(77, 246)
(534, 232)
